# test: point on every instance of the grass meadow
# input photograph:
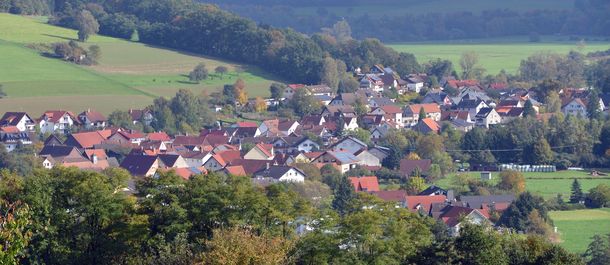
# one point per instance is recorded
(577, 227)
(496, 54)
(547, 185)
(129, 74)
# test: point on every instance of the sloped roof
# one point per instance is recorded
(425, 202)
(85, 139)
(158, 136)
(428, 125)
(235, 170)
(168, 160)
(407, 166)
(138, 165)
(246, 124)
(188, 140)
(57, 150)
(391, 195)
(93, 116)
(55, 115)
(477, 201)
(276, 172)
(428, 108)
(367, 183)
(13, 118)
(391, 109)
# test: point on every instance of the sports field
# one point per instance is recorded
(497, 54)
(129, 74)
(577, 227)
(547, 185)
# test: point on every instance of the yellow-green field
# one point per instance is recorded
(496, 54)
(129, 74)
(577, 227)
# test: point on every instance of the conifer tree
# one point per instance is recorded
(576, 195)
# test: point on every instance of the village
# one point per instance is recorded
(283, 150)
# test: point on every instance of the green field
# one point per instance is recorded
(548, 185)
(496, 54)
(577, 227)
(432, 6)
(129, 74)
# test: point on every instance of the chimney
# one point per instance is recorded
(267, 167)
(94, 159)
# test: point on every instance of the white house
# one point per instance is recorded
(280, 173)
(575, 107)
(21, 120)
(486, 117)
(349, 144)
(391, 113)
(56, 120)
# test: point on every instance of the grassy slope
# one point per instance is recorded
(495, 55)
(129, 74)
(577, 227)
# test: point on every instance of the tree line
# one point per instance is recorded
(586, 18)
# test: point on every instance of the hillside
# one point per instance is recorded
(129, 74)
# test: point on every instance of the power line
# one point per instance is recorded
(505, 150)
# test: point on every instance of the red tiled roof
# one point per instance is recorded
(425, 202)
(266, 149)
(229, 155)
(100, 153)
(236, 170)
(391, 195)
(428, 108)
(391, 109)
(9, 129)
(368, 183)
(158, 136)
(55, 115)
(433, 125)
(93, 116)
(243, 124)
(85, 139)
(462, 83)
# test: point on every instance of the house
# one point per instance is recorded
(365, 184)
(343, 161)
(321, 90)
(294, 144)
(69, 156)
(276, 127)
(372, 82)
(141, 115)
(414, 83)
(191, 142)
(486, 117)
(483, 201)
(348, 144)
(462, 125)
(12, 140)
(92, 119)
(274, 174)
(141, 165)
(219, 160)
(21, 120)
(195, 159)
(261, 152)
(84, 140)
(378, 133)
(509, 113)
(380, 152)
(338, 111)
(473, 106)
(172, 161)
(427, 125)
(159, 136)
(56, 120)
(349, 99)
(376, 102)
(408, 167)
(390, 112)
(367, 158)
(291, 89)
(433, 190)
(127, 136)
(411, 113)
(438, 97)
(574, 107)
(423, 204)
(455, 216)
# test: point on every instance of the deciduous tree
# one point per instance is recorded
(200, 72)
(87, 25)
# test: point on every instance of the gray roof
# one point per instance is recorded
(476, 202)
(276, 172)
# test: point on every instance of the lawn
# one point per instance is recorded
(577, 227)
(129, 74)
(548, 185)
(498, 54)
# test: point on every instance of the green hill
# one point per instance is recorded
(129, 74)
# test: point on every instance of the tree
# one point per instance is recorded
(221, 70)
(422, 113)
(476, 245)
(593, 108)
(303, 103)
(14, 235)
(537, 225)
(95, 53)
(121, 119)
(538, 153)
(518, 213)
(241, 246)
(361, 134)
(87, 25)
(528, 109)
(470, 69)
(277, 90)
(240, 91)
(348, 85)
(260, 105)
(576, 196)
(512, 181)
(598, 196)
(344, 193)
(598, 251)
(200, 72)
(330, 75)
(415, 184)
(553, 102)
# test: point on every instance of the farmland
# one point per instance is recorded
(129, 74)
(577, 227)
(548, 185)
(496, 54)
